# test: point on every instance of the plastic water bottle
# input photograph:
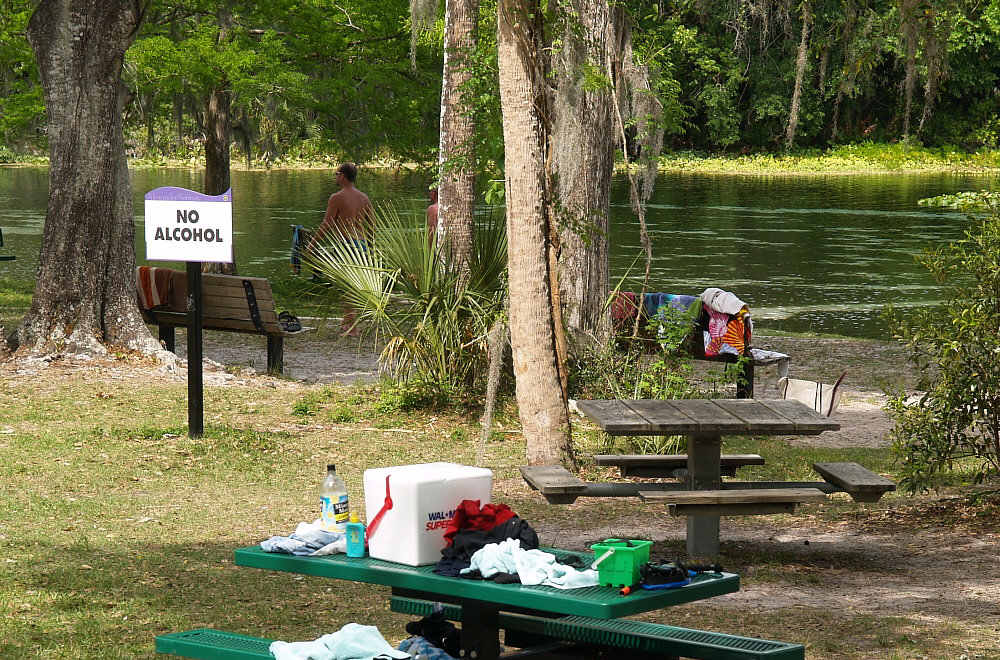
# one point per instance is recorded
(355, 530)
(333, 501)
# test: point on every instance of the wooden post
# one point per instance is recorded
(704, 465)
(196, 407)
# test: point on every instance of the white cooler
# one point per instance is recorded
(424, 498)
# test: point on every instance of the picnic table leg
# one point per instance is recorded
(704, 473)
(480, 630)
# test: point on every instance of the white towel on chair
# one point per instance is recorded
(722, 301)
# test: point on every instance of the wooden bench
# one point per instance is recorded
(860, 483)
(733, 502)
(632, 639)
(556, 484)
(230, 303)
(668, 465)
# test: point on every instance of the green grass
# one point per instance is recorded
(866, 157)
(115, 526)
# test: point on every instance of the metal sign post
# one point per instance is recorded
(183, 225)
(196, 398)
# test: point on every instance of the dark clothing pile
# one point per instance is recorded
(473, 527)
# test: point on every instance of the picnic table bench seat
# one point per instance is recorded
(666, 465)
(636, 638)
(230, 303)
(733, 502)
(209, 644)
(859, 482)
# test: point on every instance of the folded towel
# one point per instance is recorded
(722, 301)
(153, 286)
(308, 539)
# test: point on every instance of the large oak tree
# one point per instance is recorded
(84, 298)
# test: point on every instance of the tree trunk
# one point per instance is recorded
(541, 404)
(457, 189)
(908, 37)
(85, 293)
(583, 156)
(800, 74)
(219, 137)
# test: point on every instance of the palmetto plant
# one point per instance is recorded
(433, 317)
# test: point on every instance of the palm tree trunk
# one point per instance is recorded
(457, 189)
(541, 403)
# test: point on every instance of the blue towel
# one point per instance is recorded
(679, 301)
(296, 257)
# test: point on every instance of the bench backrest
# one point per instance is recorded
(225, 302)
(225, 298)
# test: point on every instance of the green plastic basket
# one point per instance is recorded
(618, 561)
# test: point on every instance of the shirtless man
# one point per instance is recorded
(349, 214)
(348, 211)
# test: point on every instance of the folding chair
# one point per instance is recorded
(822, 398)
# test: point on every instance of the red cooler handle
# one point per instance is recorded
(373, 525)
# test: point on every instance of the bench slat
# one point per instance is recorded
(672, 460)
(179, 319)
(730, 496)
(208, 644)
(861, 484)
(556, 484)
(640, 636)
(262, 293)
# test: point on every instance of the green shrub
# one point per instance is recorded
(434, 318)
(413, 394)
(956, 348)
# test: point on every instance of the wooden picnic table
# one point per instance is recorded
(704, 422)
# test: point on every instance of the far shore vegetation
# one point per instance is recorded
(847, 159)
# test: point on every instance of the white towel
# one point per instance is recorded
(352, 642)
(532, 566)
(722, 301)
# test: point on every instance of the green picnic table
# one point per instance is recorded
(542, 621)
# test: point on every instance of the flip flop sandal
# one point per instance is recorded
(289, 323)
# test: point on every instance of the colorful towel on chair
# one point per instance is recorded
(729, 324)
(153, 286)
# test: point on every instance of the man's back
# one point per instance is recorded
(349, 210)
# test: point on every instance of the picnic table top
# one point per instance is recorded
(596, 602)
(705, 417)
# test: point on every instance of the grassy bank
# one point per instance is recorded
(859, 158)
(862, 158)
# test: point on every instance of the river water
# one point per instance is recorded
(816, 253)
